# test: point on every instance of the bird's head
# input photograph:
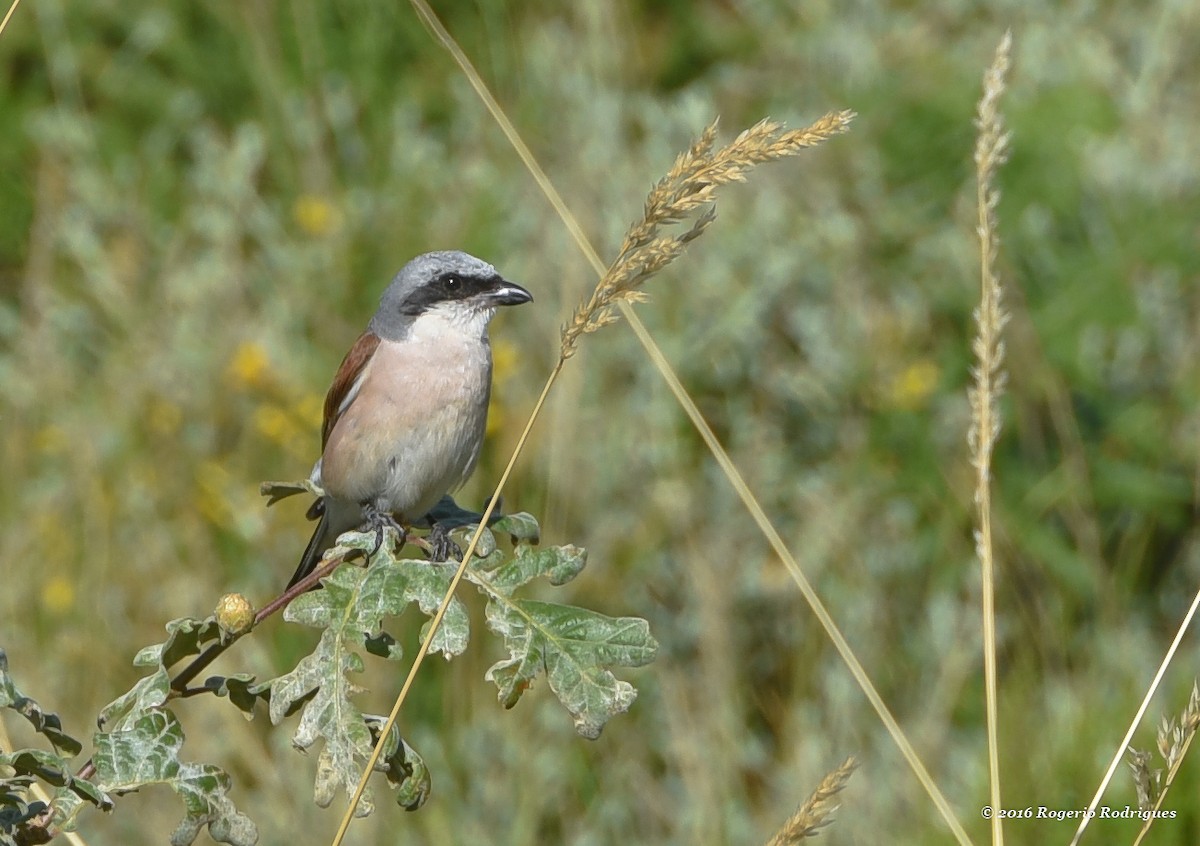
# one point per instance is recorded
(456, 287)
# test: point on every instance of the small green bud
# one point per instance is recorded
(235, 614)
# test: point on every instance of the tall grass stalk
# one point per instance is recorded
(9, 14)
(436, 621)
(1175, 737)
(606, 296)
(817, 810)
(1137, 718)
(991, 150)
(689, 185)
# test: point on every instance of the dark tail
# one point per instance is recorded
(315, 549)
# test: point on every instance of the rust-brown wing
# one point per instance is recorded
(344, 381)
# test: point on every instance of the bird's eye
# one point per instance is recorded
(453, 283)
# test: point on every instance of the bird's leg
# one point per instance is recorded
(441, 547)
(379, 520)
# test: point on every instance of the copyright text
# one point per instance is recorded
(1042, 812)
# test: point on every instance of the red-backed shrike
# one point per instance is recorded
(405, 416)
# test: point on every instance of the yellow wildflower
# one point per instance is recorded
(274, 423)
(250, 367)
(58, 594)
(315, 215)
(910, 388)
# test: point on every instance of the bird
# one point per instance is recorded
(405, 416)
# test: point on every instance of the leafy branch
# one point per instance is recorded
(141, 738)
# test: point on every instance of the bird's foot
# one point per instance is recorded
(377, 521)
(441, 547)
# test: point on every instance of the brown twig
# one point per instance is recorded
(180, 680)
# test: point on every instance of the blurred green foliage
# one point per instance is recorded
(200, 203)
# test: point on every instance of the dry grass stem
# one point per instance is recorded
(991, 151)
(689, 406)
(8, 14)
(736, 481)
(1146, 781)
(690, 184)
(817, 810)
(1190, 717)
(803, 584)
(1175, 735)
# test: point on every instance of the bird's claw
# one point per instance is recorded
(378, 521)
(441, 546)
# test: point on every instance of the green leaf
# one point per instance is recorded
(147, 752)
(404, 768)
(241, 690)
(31, 765)
(520, 527)
(67, 806)
(47, 724)
(357, 601)
(573, 646)
(186, 637)
(54, 769)
(425, 583)
(485, 549)
(559, 564)
(408, 774)
(328, 714)
(16, 811)
(351, 610)
(147, 694)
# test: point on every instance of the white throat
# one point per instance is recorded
(445, 321)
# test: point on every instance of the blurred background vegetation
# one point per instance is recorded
(200, 204)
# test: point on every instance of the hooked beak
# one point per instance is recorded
(508, 293)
